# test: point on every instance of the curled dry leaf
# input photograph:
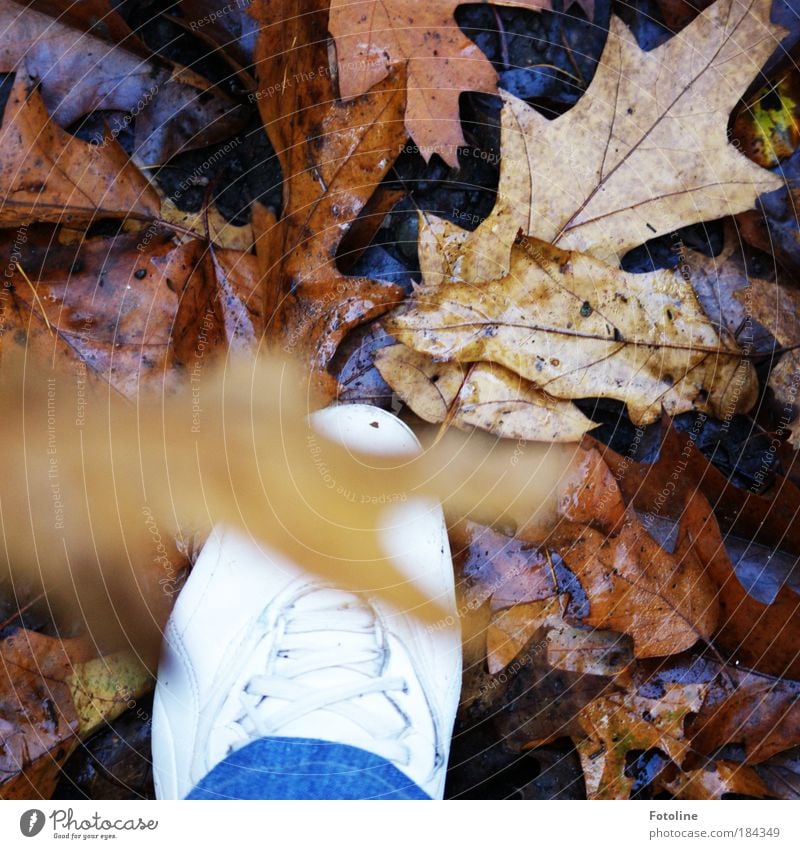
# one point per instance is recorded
(578, 328)
(48, 175)
(645, 150)
(485, 395)
(333, 157)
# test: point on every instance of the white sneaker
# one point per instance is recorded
(255, 647)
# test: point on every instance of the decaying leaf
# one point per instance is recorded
(768, 125)
(681, 484)
(494, 566)
(79, 73)
(53, 694)
(755, 711)
(578, 328)
(619, 723)
(716, 780)
(665, 602)
(49, 175)
(134, 311)
(645, 150)
(103, 688)
(512, 629)
(532, 703)
(38, 721)
(333, 156)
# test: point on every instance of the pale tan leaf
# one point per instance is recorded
(644, 151)
(490, 397)
(579, 328)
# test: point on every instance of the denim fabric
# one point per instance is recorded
(298, 768)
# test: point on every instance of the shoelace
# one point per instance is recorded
(302, 647)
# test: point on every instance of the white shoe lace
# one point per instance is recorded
(329, 649)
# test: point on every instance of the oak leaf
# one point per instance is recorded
(373, 36)
(716, 780)
(48, 175)
(618, 723)
(333, 157)
(53, 694)
(78, 73)
(579, 328)
(133, 312)
(665, 602)
(485, 395)
(645, 150)
(682, 485)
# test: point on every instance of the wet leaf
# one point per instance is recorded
(38, 721)
(333, 156)
(105, 687)
(768, 124)
(48, 175)
(440, 62)
(134, 311)
(484, 395)
(577, 181)
(619, 723)
(578, 328)
(716, 780)
(78, 74)
(682, 483)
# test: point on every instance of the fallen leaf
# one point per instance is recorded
(38, 721)
(374, 36)
(716, 780)
(588, 651)
(681, 484)
(103, 688)
(134, 311)
(755, 711)
(783, 380)
(531, 703)
(98, 17)
(645, 150)
(618, 723)
(665, 602)
(781, 774)
(49, 175)
(77, 74)
(512, 629)
(333, 157)
(486, 396)
(578, 328)
(776, 305)
(491, 565)
(768, 124)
